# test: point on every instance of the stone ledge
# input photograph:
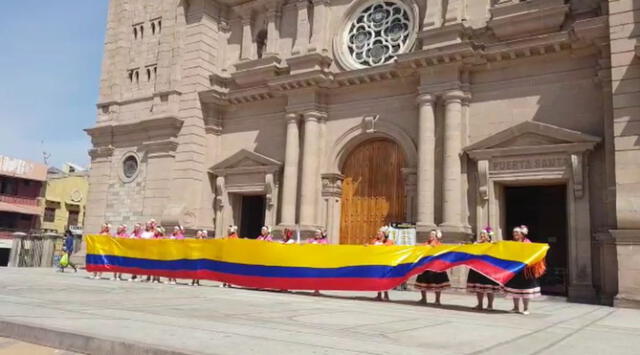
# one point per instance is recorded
(513, 20)
(77, 342)
(626, 236)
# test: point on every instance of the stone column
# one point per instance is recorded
(290, 179)
(426, 163)
(246, 51)
(310, 177)
(452, 184)
(273, 31)
(318, 37)
(302, 33)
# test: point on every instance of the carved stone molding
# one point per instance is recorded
(269, 188)
(369, 123)
(101, 152)
(332, 185)
(483, 179)
(160, 148)
(219, 202)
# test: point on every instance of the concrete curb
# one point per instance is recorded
(75, 342)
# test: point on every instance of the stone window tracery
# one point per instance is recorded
(376, 33)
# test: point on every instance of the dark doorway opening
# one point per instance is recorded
(4, 256)
(544, 210)
(252, 216)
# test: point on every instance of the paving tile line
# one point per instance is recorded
(574, 332)
(539, 330)
(93, 312)
(281, 340)
(78, 342)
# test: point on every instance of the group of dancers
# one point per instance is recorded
(524, 286)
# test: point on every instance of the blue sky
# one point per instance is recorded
(50, 58)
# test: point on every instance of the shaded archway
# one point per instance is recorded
(373, 189)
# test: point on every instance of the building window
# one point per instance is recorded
(73, 219)
(130, 167)
(49, 214)
(151, 71)
(375, 33)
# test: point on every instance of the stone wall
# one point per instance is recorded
(624, 26)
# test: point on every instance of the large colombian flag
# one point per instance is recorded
(259, 264)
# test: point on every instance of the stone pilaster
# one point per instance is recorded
(273, 28)
(426, 163)
(410, 193)
(332, 195)
(320, 20)
(246, 50)
(291, 159)
(451, 182)
(433, 15)
(302, 32)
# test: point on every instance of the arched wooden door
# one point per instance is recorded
(372, 191)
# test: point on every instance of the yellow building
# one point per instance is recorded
(65, 198)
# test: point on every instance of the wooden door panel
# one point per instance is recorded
(373, 190)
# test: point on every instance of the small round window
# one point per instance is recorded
(130, 167)
(376, 33)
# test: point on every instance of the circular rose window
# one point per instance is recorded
(376, 33)
(130, 167)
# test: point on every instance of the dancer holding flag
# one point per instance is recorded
(477, 282)
(525, 284)
(432, 280)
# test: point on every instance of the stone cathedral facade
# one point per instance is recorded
(351, 114)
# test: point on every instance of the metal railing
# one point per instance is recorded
(19, 200)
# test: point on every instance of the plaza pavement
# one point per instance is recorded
(69, 311)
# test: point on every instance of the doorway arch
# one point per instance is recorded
(373, 191)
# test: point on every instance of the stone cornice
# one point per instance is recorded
(170, 123)
(309, 71)
(136, 99)
(302, 80)
(566, 148)
(257, 71)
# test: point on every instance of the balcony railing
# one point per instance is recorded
(19, 200)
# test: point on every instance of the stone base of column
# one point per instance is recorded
(422, 232)
(582, 294)
(456, 233)
(626, 303)
(79, 259)
(305, 231)
(278, 231)
(308, 231)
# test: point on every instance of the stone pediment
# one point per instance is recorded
(245, 161)
(532, 137)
